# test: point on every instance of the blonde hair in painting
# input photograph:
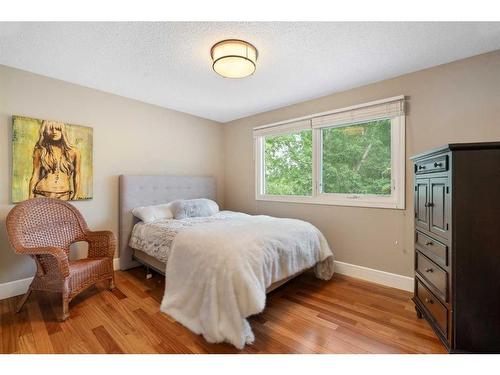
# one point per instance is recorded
(48, 161)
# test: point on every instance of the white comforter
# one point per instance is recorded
(217, 272)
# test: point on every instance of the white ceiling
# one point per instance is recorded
(168, 63)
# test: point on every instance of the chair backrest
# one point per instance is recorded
(41, 222)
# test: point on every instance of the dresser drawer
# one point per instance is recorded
(435, 250)
(431, 303)
(436, 164)
(433, 274)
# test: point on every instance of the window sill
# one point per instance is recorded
(329, 201)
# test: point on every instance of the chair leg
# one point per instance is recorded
(112, 283)
(23, 300)
(65, 307)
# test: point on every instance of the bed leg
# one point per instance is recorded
(149, 275)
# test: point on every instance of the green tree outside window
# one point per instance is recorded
(356, 159)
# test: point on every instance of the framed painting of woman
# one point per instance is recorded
(50, 159)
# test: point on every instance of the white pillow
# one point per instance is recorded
(152, 213)
(185, 208)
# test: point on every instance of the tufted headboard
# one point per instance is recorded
(138, 191)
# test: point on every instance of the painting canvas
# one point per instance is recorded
(50, 159)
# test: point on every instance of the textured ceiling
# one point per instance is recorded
(168, 63)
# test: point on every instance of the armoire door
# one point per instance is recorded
(422, 203)
(439, 207)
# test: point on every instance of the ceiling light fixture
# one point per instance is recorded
(234, 58)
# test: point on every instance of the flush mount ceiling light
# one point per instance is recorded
(234, 58)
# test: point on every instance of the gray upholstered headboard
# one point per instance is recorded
(136, 191)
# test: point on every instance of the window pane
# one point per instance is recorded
(357, 159)
(288, 164)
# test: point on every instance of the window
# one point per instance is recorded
(353, 156)
(288, 164)
(356, 159)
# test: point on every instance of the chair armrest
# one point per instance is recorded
(59, 255)
(101, 243)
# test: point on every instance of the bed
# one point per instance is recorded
(217, 304)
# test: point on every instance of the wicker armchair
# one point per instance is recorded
(44, 229)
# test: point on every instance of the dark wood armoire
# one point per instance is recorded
(457, 244)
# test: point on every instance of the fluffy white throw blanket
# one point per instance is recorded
(218, 272)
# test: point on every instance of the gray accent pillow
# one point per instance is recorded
(184, 208)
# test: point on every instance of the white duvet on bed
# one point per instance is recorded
(218, 270)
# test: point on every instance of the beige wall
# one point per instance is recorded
(451, 103)
(456, 102)
(130, 137)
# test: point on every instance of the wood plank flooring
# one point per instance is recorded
(306, 315)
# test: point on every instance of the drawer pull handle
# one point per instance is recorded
(429, 301)
(421, 167)
(429, 243)
(430, 270)
(430, 204)
(438, 165)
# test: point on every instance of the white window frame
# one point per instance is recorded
(398, 163)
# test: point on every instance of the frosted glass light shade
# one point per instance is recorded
(234, 58)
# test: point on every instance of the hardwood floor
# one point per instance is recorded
(306, 315)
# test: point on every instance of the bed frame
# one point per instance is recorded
(136, 191)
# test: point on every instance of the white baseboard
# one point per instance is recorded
(375, 276)
(17, 287)
(14, 288)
